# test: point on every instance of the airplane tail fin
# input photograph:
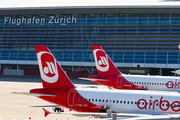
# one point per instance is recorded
(52, 75)
(104, 64)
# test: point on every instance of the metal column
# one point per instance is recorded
(160, 71)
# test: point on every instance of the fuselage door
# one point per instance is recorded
(119, 82)
(71, 96)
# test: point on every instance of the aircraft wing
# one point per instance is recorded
(102, 115)
(33, 94)
(92, 79)
(154, 117)
(177, 71)
(124, 116)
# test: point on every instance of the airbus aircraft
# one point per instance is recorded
(58, 89)
(109, 75)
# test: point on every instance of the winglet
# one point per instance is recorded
(179, 47)
(46, 112)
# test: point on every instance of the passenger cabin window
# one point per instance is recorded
(106, 100)
(102, 100)
(120, 102)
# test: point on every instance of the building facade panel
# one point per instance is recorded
(129, 37)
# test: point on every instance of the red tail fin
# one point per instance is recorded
(52, 74)
(104, 64)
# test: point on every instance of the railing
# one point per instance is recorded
(77, 74)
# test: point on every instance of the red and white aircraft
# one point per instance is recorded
(110, 76)
(58, 89)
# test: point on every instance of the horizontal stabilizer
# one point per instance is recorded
(33, 94)
(92, 79)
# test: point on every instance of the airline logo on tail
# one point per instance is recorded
(101, 60)
(48, 67)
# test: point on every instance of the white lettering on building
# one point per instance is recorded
(62, 20)
(37, 20)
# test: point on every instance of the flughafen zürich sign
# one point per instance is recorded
(38, 20)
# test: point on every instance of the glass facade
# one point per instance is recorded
(151, 38)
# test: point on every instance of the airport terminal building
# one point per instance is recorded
(140, 38)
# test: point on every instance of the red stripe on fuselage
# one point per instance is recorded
(115, 81)
(68, 98)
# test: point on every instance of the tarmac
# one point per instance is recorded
(24, 107)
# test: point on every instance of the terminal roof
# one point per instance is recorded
(69, 4)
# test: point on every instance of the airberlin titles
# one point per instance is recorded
(161, 103)
(38, 20)
(172, 85)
